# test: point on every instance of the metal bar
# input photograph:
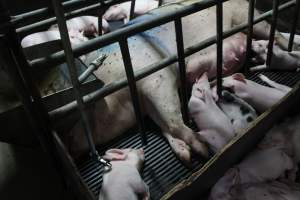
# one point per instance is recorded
(44, 12)
(294, 26)
(182, 69)
(117, 85)
(160, 2)
(219, 47)
(92, 67)
(132, 86)
(132, 7)
(96, 43)
(272, 32)
(41, 25)
(250, 34)
(199, 183)
(154, 20)
(58, 9)
(16, 65)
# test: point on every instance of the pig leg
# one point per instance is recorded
(162, 104)
(274, 84)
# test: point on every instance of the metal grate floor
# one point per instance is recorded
(162, 169)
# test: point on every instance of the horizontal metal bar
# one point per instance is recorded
(117, 85)
(44, 12)
(154, 20)
(41, 25)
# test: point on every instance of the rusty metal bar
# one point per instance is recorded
(58, 9)
(128, 31)
(182, 69)
(115, 86)
(133, 90)
(272, 32)
(132, 7)
(294, 26)
(219, 47)
(250, 34)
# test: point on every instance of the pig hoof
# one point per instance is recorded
(199, 148)
(181, 150)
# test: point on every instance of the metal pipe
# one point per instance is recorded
(219, 47)
(44, 12)
(249, 35)
(42, 25)
(154, 20)
(132, 87)
(96, 43)
(294, 26)
(91, 68)
(132, 7)
(182, 70)
(160, 2)
(58, 9)
(272, 32)
(16, 65)
(117, 85)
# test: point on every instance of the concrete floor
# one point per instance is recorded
(26, 174)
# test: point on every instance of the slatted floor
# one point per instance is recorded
(162, 169)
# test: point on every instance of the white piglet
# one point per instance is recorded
(123, 181)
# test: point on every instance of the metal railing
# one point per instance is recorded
(32, 99)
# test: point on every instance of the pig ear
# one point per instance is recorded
(239, 77)
(115, 154)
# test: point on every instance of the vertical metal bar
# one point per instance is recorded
(272, 32)
(160, 2)
(15, 63)
(132, 86)
(294, 26)
(219, 47)
(100, 14)
(132, 7)
(182, 69)
(250, 34)
(58, 9)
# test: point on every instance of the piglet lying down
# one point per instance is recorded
(124, 181)
(215, 127)
(259, 96)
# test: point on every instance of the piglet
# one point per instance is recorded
(46, 36)
(240, 113)
(215, 127)
(259, 96)
(234, 52)
(88, 25)
(123, 181)
(281, 59)
(260, 166)
(122, 11)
